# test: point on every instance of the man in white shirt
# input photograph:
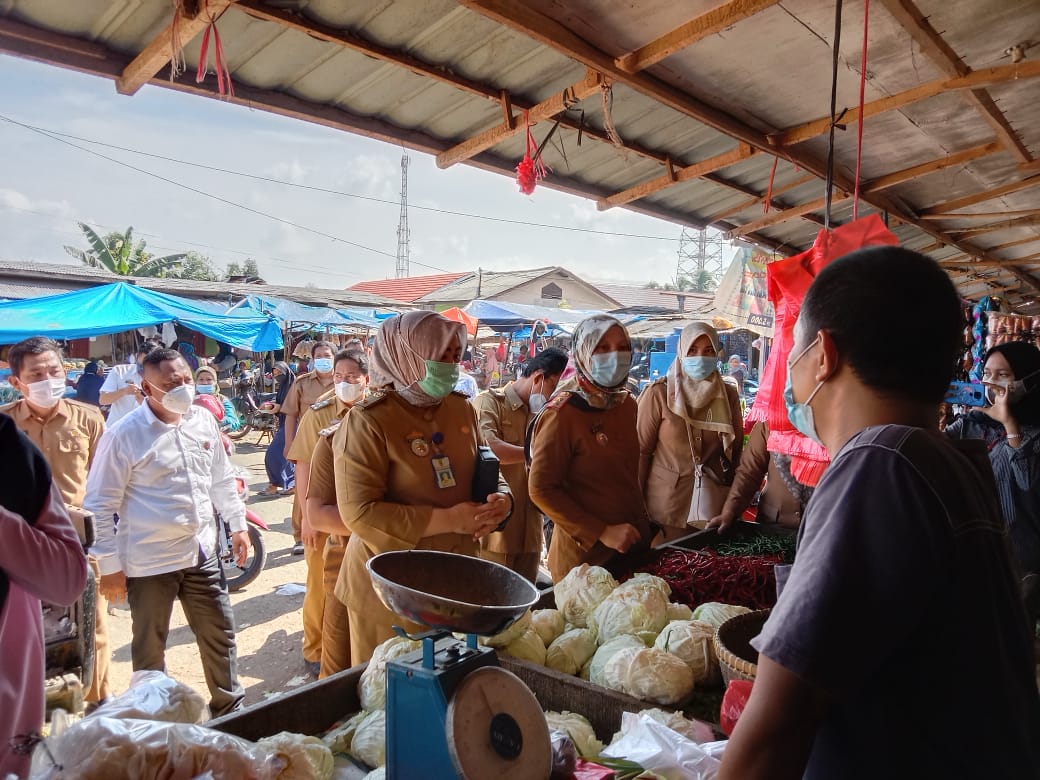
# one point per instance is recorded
(121, 391)
(155, 482)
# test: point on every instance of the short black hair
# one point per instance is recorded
(551, 362)
(357, 355)
(1024, 360)
(35, 345)
(145, 348)
(852, 299)
(319, 344)
(161, 355)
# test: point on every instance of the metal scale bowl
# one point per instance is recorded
(451, 711)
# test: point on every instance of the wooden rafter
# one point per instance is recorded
(1005, 224)
(876, 185)
(982, 197)
(975, 80)
(550, 107)
(160, 50)
(939, 52)
(676, 175)
(707, 24)
(981, 215)
(1009, 264)
(777, 191)
(1010, 244)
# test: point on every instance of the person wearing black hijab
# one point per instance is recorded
(1010, 426)
(281, 473)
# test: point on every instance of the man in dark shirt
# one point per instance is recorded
(899, 646)
(88, 388)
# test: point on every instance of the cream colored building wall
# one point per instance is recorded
(576, 294)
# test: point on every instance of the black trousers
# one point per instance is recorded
(202, 591)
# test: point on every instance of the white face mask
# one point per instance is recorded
(348, 393)
(47, 392)
(178, 400)
(537, 401)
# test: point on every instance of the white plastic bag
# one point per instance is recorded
(656, 747)
(153, 695)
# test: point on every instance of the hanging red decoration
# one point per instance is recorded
(219, 62)
(531, 168)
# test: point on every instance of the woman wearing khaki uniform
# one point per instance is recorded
(690, 436)
(404, 478)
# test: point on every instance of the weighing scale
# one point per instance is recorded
(451, 710)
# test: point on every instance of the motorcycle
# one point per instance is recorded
(254, 418)
(239, 576)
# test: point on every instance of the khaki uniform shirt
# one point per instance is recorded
(584, 476)
(306, 390)
(502, 415)
(320, 415)
(322, 484)
(68, 439)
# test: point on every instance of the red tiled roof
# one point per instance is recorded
(408, 289)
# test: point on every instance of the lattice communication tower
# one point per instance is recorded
(403, 233)
(700, 251)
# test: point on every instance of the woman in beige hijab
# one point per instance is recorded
(584, 454)
(690, 436)
(405, 459)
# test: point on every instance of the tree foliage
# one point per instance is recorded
(120, 254)
(701, 282)
(198, 266)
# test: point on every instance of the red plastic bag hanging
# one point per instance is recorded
(733, 702)
(531, 168)
(788, 280)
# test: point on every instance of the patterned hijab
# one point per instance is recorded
(403, 345)
(587, 335)
(703, 403)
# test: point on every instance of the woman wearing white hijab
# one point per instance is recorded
(584, 454)
(404, 461)
(690, 436)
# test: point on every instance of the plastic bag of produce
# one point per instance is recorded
(100, 748)
(564, 755)
(694, 730)
(659, 749)
(578, 728)
(153, 695)
(581, 591)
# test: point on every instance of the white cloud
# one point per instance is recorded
(19, 201)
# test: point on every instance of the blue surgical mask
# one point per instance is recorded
(323, 365)
(609, 369)
(801, 414)
(699, 367)
(440, 378)
(205, 389)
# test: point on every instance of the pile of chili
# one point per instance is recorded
(761, 544)
(700, 576)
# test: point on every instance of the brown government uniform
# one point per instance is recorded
(671, 452)
(335, 626)
(68, 440)
(584, 476)
(502, 415)
(318, 416)
(387, 490)
(306, 390)
(776, 504)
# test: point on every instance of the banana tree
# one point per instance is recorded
(118, 253)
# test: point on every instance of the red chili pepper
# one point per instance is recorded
(702, 576)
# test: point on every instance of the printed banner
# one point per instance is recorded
(741, 295)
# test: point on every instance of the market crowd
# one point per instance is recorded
(912, 601)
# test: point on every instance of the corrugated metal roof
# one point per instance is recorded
(633, 296)
(407, 289)
(488, 285)
(430, 73)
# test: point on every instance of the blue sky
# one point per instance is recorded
(46, 186)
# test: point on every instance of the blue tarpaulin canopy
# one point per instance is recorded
(298, 313)
(504, 316)
(114, 308)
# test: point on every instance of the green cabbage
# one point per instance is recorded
(549, 624)
(578, 728)
(717, 613)
(636, 610)
(528, 647)
(581, 591)
(338, 739)
(515, 631)
(369, 743)
(372, 685)
(643, 581)
(570, 651)
(306, 758)
(605, 652)
(679, 612)
(691, 641)
(651, 674)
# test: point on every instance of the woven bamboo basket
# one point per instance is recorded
(738, 660)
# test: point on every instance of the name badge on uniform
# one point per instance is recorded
(442, 472)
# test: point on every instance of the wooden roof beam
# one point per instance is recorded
(876, 185)
(777, 191)
(160, 50)
(550, 107)
(677, 175)
(707, 24)
(980, 215)
(1010, 264)
(982, 197)
(1006, 224)
(1020, 242)
(939, 52)
(976, 79)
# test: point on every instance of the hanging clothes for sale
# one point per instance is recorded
(788, 280)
